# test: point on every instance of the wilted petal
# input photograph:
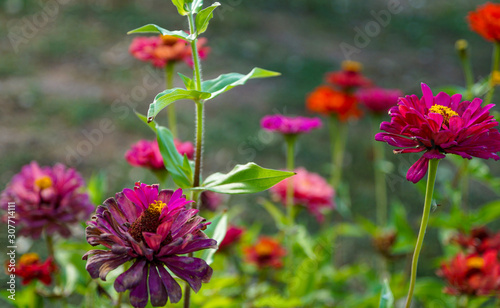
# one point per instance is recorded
(193, 270)
(139, 295)
(173, 288)
(157, 291)
(131, 277)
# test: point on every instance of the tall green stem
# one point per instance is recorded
(199, 130)
(431, 179)
(169, 79)
(50, 246)
(337, 141)
(380, 185)
(290, 206)
(494, 68)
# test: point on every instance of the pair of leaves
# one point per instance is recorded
(209, 89)
(184, 7)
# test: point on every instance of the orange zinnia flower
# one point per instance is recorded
(486, 21)
(267, 252)
(326, 100)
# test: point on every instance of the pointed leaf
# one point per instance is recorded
(244, 179)
(278, 216)
(181, 8)
(144, 119)
(169, 96)
(196, 6)
(173, 160)
(188, 82)
(152, 28)
(226, 82)
(386, 298)
(203, 18)
(217, 231)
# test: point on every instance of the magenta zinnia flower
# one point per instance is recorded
(47, 199)
(146, 153)
(437, 125)
(378, 100)
(233, 235)
(151, 228)
(289, 125)
(309, 190)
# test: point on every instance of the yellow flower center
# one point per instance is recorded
(43, 182)
(169, 40)
(352, 66)
(446, 112)
(475, 262)
(263, 249)
(29, 258)
(148, 221)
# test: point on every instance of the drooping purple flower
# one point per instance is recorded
(437, 125)
(289, 125)
(47, 199)
(378, 100)
(153, 229)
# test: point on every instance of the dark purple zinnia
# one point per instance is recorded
(437, 125)
(47, 199)
(289, 125)
(151, 228)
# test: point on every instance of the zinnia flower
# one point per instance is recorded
(486, 21)
(472, 274)
(151, 228)
(146, 153)
(210, 200)
(47, 199)
(440, 125)
(326, 100)
(160, 50)
(289, 125)
(479, 240)
(309, 190)
(29, 267)
(349, 78)
(233, 235)
(378, 100)
(267, 252)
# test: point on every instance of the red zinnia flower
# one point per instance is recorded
(378, 100)
(233, 235)
(437, 125)
(31, 268)
(47, 199)
(479, 240)
(472, 274)
(309, 190)
(326, 100)
(153, 229)
(267, 252)
(146, 153)
(349, 78)
(486, 21)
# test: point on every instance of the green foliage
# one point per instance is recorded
(204, 16)
(181, 6)
(244, 179)
(386, 297)
(217, 231)
(152, 28)
(97, 187)
(167, 97)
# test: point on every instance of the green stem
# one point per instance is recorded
(380, 184)
(431, 179)
(464, 191)
(337, 141)
(199, 131)
(494, 67)
(119, 300)
(290, 166)
(50, 247)
(169, 79)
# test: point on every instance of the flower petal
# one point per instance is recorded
(418, 170)
(173, 288)
(157, 291)
(131, 277)
(193, 270)
(139, 295)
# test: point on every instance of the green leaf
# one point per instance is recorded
(169, 96)
(305, 242)
(151, 28)
(196, 6)
(181, 8)
(226, 82)
(97, 187)
(386, 298)
(244, 179)
(144, 119)
(487, 213)
(188, 82)
(203, 18)
(181, 173)
(217, 231)
(279, 218)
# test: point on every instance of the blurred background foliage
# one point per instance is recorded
(75, 72)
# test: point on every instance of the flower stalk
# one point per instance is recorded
(431, 179)
(337, 141)
(494, 68)
(169, 80)
(380, 185)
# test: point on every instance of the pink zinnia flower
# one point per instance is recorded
(160, 50)
(437, 125)
(30, 267)
(309, 190)
(289, 125)
(473, 274)
(378, 100)
(146, 153)
(233, 235)
(47, 199)
(153, 229)
(267, 252)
